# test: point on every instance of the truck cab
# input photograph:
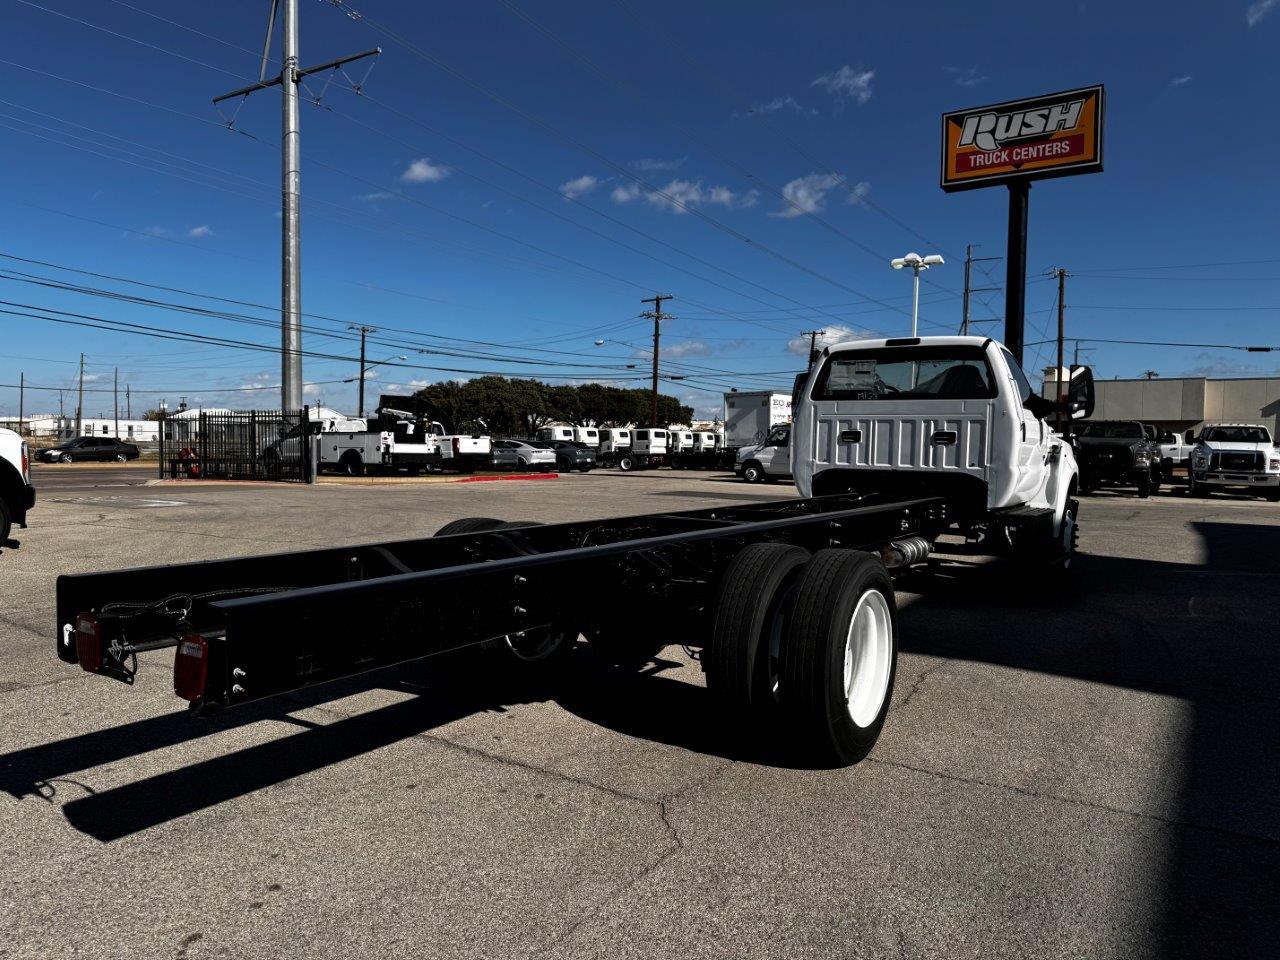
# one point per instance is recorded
(588, 435)
(615, 439)
(1241, 455)
(556, 432)
(17, 495)
(949, 416)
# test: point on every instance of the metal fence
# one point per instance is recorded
(239, 445)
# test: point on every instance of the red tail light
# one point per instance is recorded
(89, 642)
(191, 667)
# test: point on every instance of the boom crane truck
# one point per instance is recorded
(896, 443)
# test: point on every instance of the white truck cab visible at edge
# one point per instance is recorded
(943, 416)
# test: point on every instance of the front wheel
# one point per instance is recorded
(1274, 495)
(66, 458)
(626, 463)
(1144, 486)
(6, 522)
(753, 472)
(840, 655)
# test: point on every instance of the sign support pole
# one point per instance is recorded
(1015, 284)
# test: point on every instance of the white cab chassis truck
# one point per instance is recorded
(17, 495)
(648, 449)
(943, 416)
(1240, 455)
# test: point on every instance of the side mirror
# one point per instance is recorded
(1080, 393)
(1190, 436)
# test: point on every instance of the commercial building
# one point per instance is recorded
(1187, 403)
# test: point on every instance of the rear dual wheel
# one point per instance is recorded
(808, 644)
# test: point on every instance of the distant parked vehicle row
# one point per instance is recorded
(90, 449)
(522, 455)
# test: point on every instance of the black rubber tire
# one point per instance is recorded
(1274, 495)
(352, 464)
(66, 458)
(830, 587)
(469, 525)
(750, 602)
(121, 458)
(1144, 486)
(6, 521)
(752, 472)
(1155, 480)
(584, 469)
(626, 463)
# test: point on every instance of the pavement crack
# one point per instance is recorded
(919, 682)
(1253, 838)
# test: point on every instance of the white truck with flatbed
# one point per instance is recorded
(17, 495)
(1235, 455)
(945, 416)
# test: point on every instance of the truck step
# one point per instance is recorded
(1024, 513)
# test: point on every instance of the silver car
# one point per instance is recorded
(518, 455)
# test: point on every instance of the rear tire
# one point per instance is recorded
(6, 522)
(840, 655)
(121, 458)
(743, 659)
(352, 464)
(1274, 495)
(469, 525)
(66, 458)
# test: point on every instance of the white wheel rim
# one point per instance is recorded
(868, 658)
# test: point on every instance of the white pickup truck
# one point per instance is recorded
(1235, 455)
(17, 495)
(944, 416)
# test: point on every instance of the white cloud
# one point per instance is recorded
(650, 165)
(200, 232)
(834, 333)
(806, 194)
(1259, 9)
(423, 170)
(848, 82)
(311, 389)
(156, 231)
(680, 196)
(579, 186)
(686, 348)
(966, 76)
(858, 191)
(777, 104)
(1179, 81)
(375, 196)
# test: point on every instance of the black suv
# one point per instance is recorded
(1122, 452)
(90, 448)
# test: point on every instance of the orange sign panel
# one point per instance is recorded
(1051, 136)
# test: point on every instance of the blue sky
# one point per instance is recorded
(434, 207)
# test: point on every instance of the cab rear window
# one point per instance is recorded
(911, 373)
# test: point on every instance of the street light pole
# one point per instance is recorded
(916, 263)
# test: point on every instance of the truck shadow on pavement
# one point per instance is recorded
(1203, 633)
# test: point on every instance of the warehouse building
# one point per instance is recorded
(1187, 403)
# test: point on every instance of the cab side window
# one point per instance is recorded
(1023, 386)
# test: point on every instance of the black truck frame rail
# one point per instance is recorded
(260, 626)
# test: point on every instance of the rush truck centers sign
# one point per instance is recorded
(1051, 136)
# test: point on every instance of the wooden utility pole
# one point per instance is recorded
(80, 401)
(1057, 371)
(22, 396)
(364, 331)
(657, 317)
(115, 398)
(128, 403)
(813, 336)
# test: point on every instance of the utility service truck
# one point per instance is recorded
(17, 495)
(791, 601)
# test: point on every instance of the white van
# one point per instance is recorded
(588, 435)
(556, 432)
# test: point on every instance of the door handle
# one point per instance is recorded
(850, 436)
(945, 437)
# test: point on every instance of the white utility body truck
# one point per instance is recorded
(17, 495)
(948, 416)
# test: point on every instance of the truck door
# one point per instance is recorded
(1033, 438)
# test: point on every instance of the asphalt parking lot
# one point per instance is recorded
(1093, 773)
